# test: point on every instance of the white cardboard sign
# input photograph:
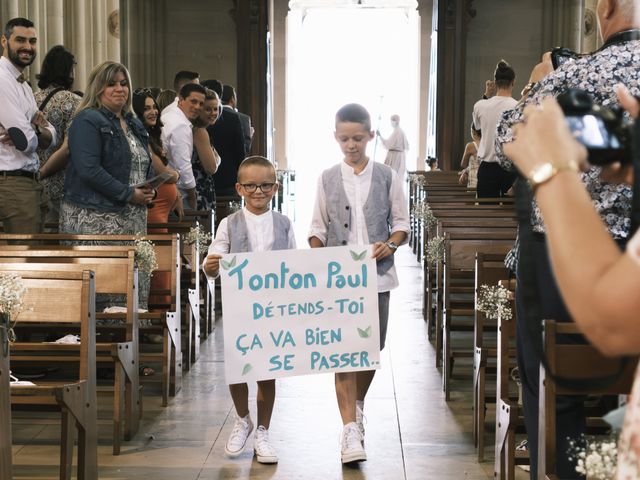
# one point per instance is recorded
(299, 312)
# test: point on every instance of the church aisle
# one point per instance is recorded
(411, 432)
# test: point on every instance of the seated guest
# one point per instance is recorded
(109, 155)
(205, 159)
(432, 163)
(58, 104)
(177, 137)
(165, 98)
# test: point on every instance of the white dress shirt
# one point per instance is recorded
(18, 106)
(177, 139)
(260, 234)
(357, 187)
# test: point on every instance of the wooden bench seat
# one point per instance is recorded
(63, 297)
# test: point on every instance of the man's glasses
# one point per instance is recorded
(264, 187)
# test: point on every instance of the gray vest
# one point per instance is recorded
(239, 235)
(377, 209)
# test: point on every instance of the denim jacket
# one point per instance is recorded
(98, 173)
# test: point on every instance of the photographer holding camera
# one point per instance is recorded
(597, 74)
(601, 291)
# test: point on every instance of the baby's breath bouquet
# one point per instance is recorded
(493, 301)
(11, 293)
(423, 211)
(145, 256)
(435, 250)
(597, 459)
(234, 207)
(197, 234)
(417, 179)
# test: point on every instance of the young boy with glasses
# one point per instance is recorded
(255, 228)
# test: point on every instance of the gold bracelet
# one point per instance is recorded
(545, 172)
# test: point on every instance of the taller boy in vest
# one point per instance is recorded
(255, 228)
(360, 202)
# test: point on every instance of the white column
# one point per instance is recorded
(33, 14)
(425, 21)
(79, 44)
(99, 36)
(279, 80)
(55, 22)
(113, 42)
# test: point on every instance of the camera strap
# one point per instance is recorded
(621, 37)
(530, 294)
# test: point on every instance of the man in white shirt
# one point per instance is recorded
(177, 137)
(23, 128)
(182, 78)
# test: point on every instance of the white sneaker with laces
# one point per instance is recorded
(265, 453)
(238, 438)
(352, 448)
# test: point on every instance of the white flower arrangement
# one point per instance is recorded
(493, 301)
(417, 179)
(597, 459)
(197, 234)
(145, 256)
(435, 250)
(234, 207)
(11, 292)
(423, 211)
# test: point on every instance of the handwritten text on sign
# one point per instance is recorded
(297, 312)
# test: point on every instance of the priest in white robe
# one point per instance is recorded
(396, 146)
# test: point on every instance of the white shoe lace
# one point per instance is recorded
(239, 432)
(351, 438)
(262, 444)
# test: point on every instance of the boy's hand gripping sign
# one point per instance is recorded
(296, 312)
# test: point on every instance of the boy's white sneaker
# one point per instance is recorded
(239, 435)
(265, 453)
(352, 448)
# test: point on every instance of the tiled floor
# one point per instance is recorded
(412, 433)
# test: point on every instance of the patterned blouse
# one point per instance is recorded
(58, 111)
(598, 74)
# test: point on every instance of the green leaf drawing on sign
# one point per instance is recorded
(357, 256)
(365, 333)
(229, 264)
(246, 369)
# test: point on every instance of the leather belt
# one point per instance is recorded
(19, 173)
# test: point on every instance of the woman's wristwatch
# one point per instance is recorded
(546, 171)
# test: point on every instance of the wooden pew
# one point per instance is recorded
(65, 297)
(490, 269)
(509, 415)
(5, 405)
(571, 361)
(167, 318)
(115, 274)
(459, 263)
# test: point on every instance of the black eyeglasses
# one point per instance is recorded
(264, 187)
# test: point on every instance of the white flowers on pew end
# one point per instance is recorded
(435, 250)
(11, 293)
(145, 256)
(493, 301)
(597, 459)
(417, 179)
(197, 234)
(423, 211)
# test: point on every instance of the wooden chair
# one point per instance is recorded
(55, 298)
(571, 361)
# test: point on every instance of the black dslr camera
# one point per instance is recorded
(560, 55)
(604, 131)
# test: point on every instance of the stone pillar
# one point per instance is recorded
(99, 30)
(55, 22)
(425, 11)
(79, 41)
(278, 29)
